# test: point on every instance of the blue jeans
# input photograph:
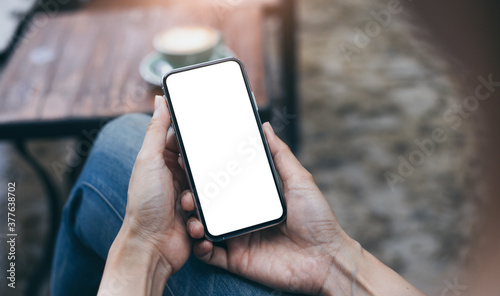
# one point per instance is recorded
(94, 214)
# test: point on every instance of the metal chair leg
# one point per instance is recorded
(43, 268)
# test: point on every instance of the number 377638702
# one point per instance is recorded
(11, 206)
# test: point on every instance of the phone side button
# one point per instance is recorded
(254, 101)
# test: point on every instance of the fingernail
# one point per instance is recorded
(157, 102)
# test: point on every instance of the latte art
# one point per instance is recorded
(183, 40)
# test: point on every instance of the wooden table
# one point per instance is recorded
(82, 67)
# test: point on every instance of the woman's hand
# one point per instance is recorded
(157, 179)
(296, 255)
(309, 252)
(152, 243)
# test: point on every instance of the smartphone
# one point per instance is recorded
(227, 160)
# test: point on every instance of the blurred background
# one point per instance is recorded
(355, 87)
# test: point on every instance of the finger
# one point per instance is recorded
(195, 228)
(181, 162)
(171, 142)
(156, 133)
(287, 165)
(187, 201)
(208, 253)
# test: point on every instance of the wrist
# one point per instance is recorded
(134, 265)
(359, 272)
(343, 272)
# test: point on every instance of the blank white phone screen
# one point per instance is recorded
(223, 146)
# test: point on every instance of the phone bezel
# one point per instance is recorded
(208, 235)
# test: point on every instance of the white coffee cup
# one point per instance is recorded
(182, 46)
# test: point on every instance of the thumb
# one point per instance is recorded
(156, 133)
(289, 168)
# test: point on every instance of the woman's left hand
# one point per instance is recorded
(152, 243)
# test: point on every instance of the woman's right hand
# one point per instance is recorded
(308, 253)
(298, 254)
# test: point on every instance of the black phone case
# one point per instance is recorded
(186, 161)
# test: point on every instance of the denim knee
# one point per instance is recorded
(120, 140)
(124, 130)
